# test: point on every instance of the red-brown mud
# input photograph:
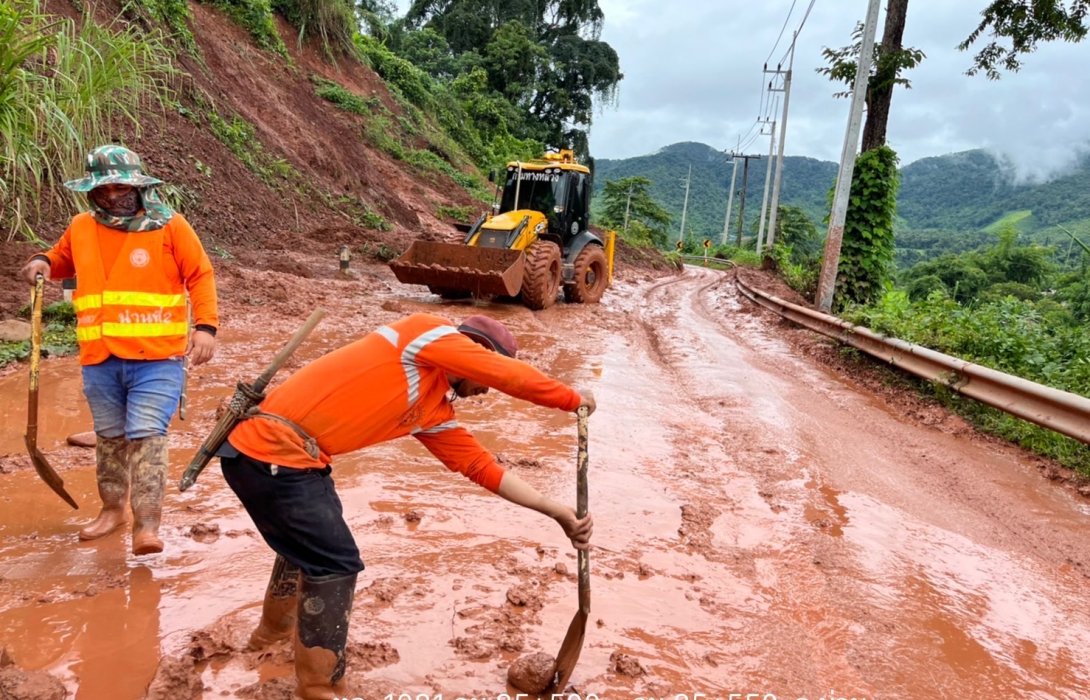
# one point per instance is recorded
(763, 524)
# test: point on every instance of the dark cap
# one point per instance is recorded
(490, 333)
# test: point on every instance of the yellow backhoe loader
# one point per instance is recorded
(535, 240)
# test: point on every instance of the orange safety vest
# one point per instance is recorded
(135, 311)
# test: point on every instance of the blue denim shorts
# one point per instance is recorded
(134, 398)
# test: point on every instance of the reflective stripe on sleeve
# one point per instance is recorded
(408, 358)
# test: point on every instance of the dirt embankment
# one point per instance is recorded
(333, 173)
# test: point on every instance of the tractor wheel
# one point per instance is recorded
(541, 281)
(591, 276)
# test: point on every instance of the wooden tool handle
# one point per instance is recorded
(581, 506)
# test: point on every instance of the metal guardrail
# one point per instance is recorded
(1062, 411)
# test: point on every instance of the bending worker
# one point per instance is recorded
(134, 259)
(399, 380)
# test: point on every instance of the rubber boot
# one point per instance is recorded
(112, 473)
(325, 603)
(280, 606)
(148, 463)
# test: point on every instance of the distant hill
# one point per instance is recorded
(963, 195)
(806, 182)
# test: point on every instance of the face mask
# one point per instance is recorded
(123, 203)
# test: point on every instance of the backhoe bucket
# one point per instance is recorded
(457, 267)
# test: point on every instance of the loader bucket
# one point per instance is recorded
(457, 267)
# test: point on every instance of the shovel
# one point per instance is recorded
(41, 465)
(577, 630)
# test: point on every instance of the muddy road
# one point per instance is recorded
(763, 525)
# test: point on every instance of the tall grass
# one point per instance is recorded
(66, 87)
(332, 21)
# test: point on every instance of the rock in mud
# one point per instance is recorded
(532, 673)
(17, 684)
(176, 678)
(625, 665)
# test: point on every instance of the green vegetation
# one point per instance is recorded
(58, 334)
(333, 22)
(1015, 219)
(470, 118)
(866, 255)
(241, 139)
(66, 87)
(462, 213)
(539, 65)
(256, 17)
(345, 99)
(797, 250)
(1008, 307)
(627, 207)
(1034, 341)
(173, 15)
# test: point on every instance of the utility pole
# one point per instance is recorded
(685, 206)
(835, 236)
(774, 207)
(627, 206)
(768, 177)
(742, 205)
(730, 200)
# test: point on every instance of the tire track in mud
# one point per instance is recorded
(855, 552)
(742, 508)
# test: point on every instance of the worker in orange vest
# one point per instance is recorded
(134, 259)
(399, 380)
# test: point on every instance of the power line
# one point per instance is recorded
(785, 21)
(797, 32)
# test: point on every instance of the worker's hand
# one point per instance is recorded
(577, 529)
(34, 268)
(587, 399)
(202, 346)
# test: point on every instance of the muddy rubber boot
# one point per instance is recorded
(112, 473)
(325, 603)
(279, 609)
(148, 463)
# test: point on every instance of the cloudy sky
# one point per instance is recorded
(693, 72)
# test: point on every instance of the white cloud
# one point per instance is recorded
(693, 73)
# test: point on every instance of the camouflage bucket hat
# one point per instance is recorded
(112, 165)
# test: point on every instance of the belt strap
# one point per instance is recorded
(309, 443)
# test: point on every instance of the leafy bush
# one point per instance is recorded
(58, 334)
(66, 87)
(332, 21)
(256, 17)
(1015, 336)
(343, 98)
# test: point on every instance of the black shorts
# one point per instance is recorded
(297, 512)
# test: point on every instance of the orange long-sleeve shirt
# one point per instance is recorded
(391, 383)
(183, 255)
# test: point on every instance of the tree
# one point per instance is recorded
(427, 49)
(647, 220)
(544, 55)
(796, 229)
(891, 59)
(512, 58)
(1024, 23)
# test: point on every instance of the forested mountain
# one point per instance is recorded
(805, 184)
(946, 203)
